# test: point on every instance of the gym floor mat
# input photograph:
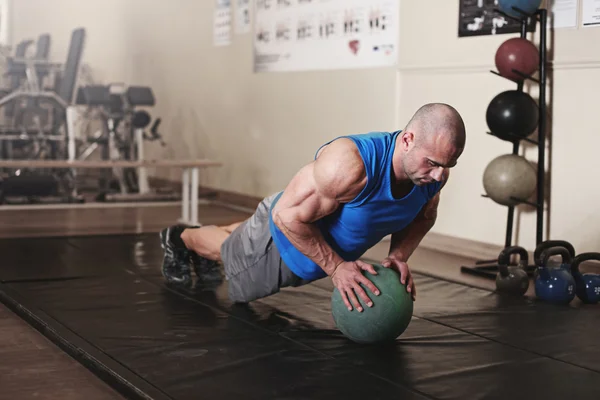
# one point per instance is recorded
(103, 300)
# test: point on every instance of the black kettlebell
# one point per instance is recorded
(537, 254)
(587, 286)
(555, 285)
(513, 279)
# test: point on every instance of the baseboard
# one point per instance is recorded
(461, 247)
(434, 241)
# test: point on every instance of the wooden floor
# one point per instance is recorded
(33, 368)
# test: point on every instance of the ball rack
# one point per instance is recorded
(489, 268)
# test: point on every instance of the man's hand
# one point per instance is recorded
(347, 278)
(405, 275)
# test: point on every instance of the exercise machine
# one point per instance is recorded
(123, 122)
(34, 125)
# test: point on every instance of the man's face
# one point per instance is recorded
(427, 158)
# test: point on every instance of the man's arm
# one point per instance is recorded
(317, 190)
(335, 177)
(405, 242)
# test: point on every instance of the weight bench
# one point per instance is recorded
(190, 175)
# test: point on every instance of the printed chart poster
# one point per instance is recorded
(479, 17)
(591, 13)
(563, 13)
(222, 23)
(242, 16)
(302, 35)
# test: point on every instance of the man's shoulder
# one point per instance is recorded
(375, 135)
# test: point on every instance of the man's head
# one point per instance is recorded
(432, 141)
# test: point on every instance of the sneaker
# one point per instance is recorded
(176, 260)
(206, 270)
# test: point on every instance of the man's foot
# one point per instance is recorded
(206, 270)
(176, 261)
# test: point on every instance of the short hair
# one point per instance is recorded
(438, 118)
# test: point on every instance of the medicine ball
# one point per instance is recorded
(528, 6)
(388, 318)
(518, 54)
(512, 113)
(508, 176)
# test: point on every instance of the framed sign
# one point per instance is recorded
(480, 17)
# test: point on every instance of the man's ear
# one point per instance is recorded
(407, 139)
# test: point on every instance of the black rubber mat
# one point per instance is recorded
(102, 299)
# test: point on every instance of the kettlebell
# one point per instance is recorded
(537, 254)
(555, 285)
(512, 279)
(587, 286)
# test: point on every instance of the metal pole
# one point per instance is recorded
(194, 196)
(185, 195)
(541, 129)
(143, 185)
(511, 209)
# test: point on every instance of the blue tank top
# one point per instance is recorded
(358, 225)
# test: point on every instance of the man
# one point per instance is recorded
(357, 190)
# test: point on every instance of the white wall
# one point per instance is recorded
(265, 126)
(437, 65)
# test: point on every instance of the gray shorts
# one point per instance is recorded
(253, 267)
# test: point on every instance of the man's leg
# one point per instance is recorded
(193, 246)
(206, 241)
(252, 263)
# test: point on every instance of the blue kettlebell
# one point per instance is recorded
(587, 286)
(555, 285)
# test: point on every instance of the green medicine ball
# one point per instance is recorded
(388, 318)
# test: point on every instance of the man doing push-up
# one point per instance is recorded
(357, 190)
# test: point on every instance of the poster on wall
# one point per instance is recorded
(242, 16)
(480, 17)
(303, 35)
(563, 13)
(222, 23)
(590, 13)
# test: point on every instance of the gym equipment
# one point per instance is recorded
(555, 285)
(34, 127)
(487, 268)
(513, 7)
(121, 137)
(548, 244)
(390, 315)
(587, 286)
(63, 94)
(517, 58)
(512, 115)
(513, 279)
(509, 179)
